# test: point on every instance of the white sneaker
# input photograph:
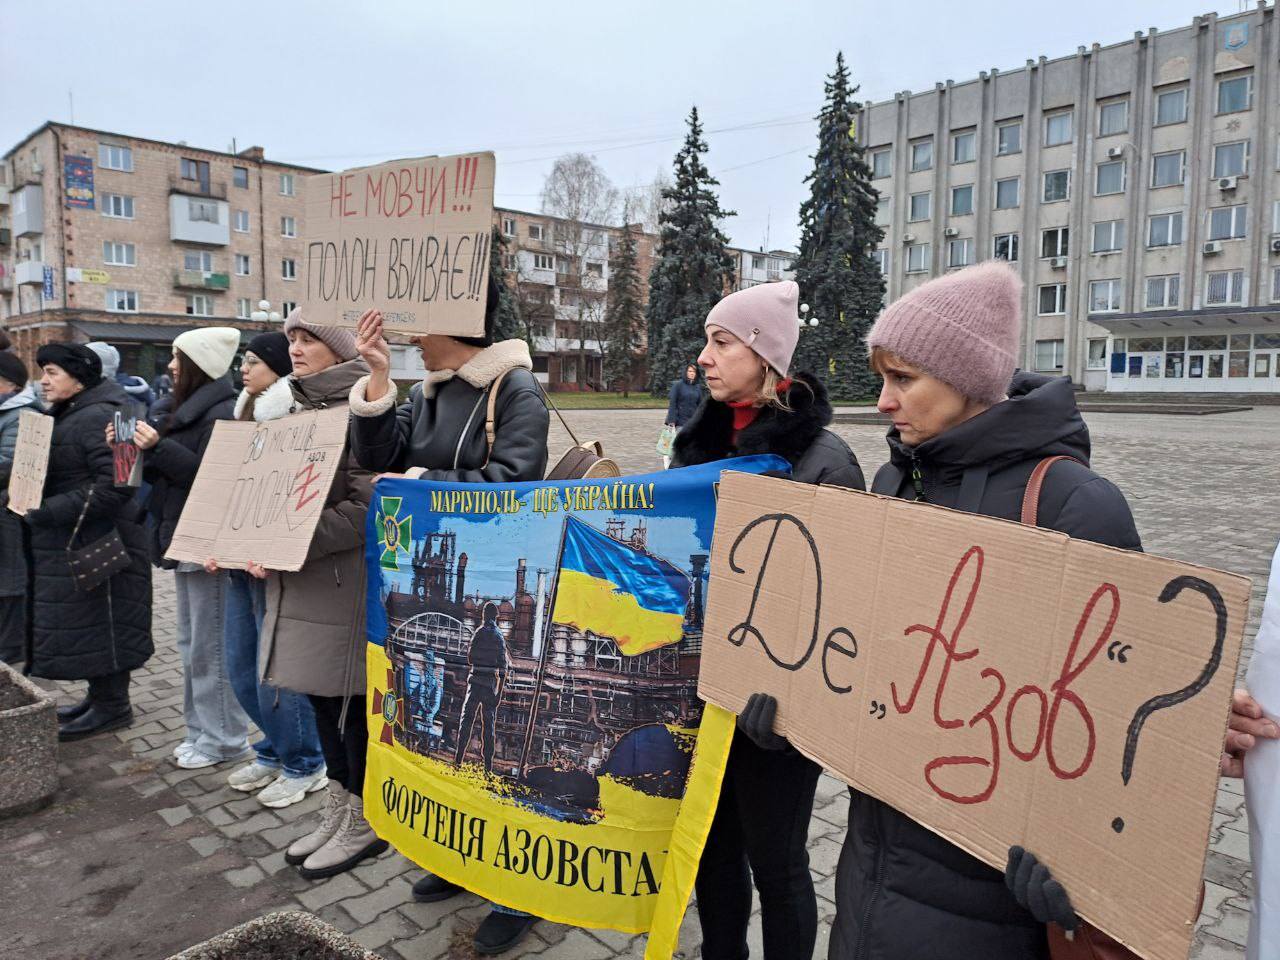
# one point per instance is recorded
(186, 746)
(285, 791)
(252, 776)
(193, 759)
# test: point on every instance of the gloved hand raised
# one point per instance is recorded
(756, 721)
(1033, 886)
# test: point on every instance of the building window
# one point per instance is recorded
(964, 147)
(508, 261)
(1097, 359)
(288, 269)
(921, 206)
(757, 263)
(881, 258)
(1008, 193)
(1009, 138)
(1110, 179)
(242, 221)
(1275, 216)
(197, 170)
(119, 254)
(595, 269)
(1224, 287)
(1162, 292)
(960, 252)
(1275, 285)
(881, 163)
(1231, 159)
(201, 260)
(242, 265)
(113, 205)
(962, 200)
(288, 227)
(243, 309)
(1228, 223)
(1171, 106)
(1104, 296)
(1052, 299)
(240, 177)
(287, 308)
(1168, 169)
(112, 157)
(122, 301)
(508, 226)
(1164, 229)
(922, 155)
(1057, 129)
(1108, 236)
(1235, 93)
(543, 261)
(562, 266)
(286, 184)
(1005, 247)
(203, 211)
(1054, 242)
(1049, 354)
(199, 305)
(883, 214)
(1113, 117)
(537, 231)
(1057, 185)
(918, 258)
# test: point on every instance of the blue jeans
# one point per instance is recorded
(216, 726)
(285, 718)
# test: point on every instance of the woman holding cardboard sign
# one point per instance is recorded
(762, 820)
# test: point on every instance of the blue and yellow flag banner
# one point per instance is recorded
(535, 731)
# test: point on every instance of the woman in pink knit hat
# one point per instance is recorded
(762, 820)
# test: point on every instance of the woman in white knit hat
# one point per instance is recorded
(217, 728)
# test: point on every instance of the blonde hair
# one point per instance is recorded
(768, 395)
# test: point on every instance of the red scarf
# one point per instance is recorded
(746, 411)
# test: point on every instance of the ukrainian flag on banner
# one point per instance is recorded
(615, 590)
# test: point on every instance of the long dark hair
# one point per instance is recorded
(190, 379)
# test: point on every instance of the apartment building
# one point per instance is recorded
(105, 236)
(1136, 187)
(751, 267)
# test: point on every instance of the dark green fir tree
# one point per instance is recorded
(507, 325)
(838, 276)
(624, 313)
(693, 269)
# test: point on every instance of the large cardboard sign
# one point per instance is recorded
(30, 461)
(410, 238)
(1000, 684)
(260, 491)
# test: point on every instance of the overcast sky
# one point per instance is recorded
(357, 83)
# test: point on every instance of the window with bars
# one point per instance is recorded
(1163, 292)
(1224, 287)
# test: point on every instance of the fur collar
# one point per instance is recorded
(273, 403)
(485, 367)
(789, 434)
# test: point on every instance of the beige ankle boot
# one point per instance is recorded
(353, 842)
(332, 812)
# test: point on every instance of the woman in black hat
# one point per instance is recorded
(101, 634)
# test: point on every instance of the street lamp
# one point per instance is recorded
(810, 321)
(264, 312)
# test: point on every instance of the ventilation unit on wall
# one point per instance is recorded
(951, 232)
(1058, 263)
(1227, 184)
(1212, 246)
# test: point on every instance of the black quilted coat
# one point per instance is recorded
(78, 635)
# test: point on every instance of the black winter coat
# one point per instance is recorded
(171, 465)
(683, 401)
(80, 635)
(799, 436)
(903, 892)
(13, 561)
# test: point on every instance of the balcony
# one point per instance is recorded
(199, 220)
(214, 189)
(26, 272)
(28, 211)
(201, 280)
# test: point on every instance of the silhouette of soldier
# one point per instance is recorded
(488, 663)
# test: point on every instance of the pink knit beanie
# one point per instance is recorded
(763, 317)
(962, 328)
(338, 339)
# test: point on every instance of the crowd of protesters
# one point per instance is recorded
(282, 652)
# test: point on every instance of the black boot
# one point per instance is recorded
(74, 710)
(431, 889)
(96, 719)
(499, 932)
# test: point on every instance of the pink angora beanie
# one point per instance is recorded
(962, 328)
(763, 317)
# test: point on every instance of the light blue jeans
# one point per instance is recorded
(216, 726)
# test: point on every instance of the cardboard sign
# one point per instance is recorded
(126, 460)
(30, 461)
(260, 491)
(1000, 684)
(410, 238)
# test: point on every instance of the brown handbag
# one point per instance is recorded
(582, 461)
(96, 563)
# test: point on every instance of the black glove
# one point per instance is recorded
(756, 721)
(38, 517)
(1033, 886)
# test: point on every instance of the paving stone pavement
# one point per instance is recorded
(1204, 489)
